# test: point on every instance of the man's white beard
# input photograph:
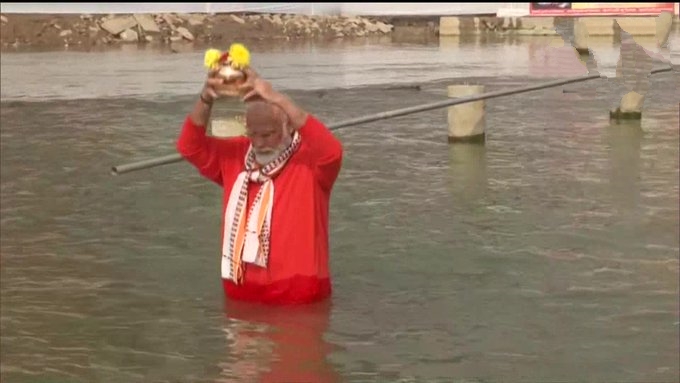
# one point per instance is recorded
(267, 157)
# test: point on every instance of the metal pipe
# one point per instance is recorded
(172, 158)
(145, 164)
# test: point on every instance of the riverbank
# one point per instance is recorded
(51, 32)
(81, 31)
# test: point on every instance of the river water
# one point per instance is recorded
(548, 254)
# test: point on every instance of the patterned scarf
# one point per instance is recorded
(246, 239)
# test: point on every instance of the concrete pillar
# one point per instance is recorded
(664, 26)
(456, 26)
(630, 107)
(633, 70)
(466, 121)
(581, 37)
(449, 26)
(227, 118)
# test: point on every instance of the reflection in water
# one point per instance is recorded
(278, 344)
(453, 43)
(624, 140)
(300, 66)
(467, 172)
(554, 58)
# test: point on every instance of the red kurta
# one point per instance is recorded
(297, 270)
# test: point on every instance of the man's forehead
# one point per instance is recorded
(261, 128)
(260, 108)
(260, 120)
(264, 128)
(262, 117)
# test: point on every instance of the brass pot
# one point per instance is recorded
(233, 78)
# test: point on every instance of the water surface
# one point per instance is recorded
(549, 254)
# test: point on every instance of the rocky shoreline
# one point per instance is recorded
(51, 32)
(42, 31)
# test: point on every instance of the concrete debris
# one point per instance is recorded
(384, 28)
(129, 36)
(147, 23)
(215, 29)
(170, 21)
(117, 25)
(238, 19)
(195, 20)
(185, 33)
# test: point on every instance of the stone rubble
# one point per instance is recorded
(204, 28)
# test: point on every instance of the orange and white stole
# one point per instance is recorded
(246, 238)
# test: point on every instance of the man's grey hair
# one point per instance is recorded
(276, 112)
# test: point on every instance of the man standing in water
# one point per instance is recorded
(277, 184)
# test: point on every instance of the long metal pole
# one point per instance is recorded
(172, 158)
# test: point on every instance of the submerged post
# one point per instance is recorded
(466, 121)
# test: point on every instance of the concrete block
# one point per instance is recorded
(147, 23)
(129, 36)
(117, 25)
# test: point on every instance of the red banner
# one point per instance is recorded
(600, 9)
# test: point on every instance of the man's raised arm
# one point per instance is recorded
(193, 144)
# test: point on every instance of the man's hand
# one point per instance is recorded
(255, 86)
(200, 114)
(210, 88)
